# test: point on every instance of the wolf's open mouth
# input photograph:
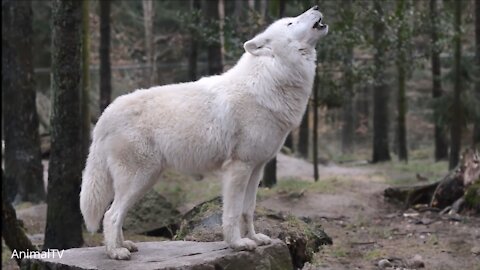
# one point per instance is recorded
(319, 25)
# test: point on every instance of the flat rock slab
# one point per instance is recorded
(171, 255)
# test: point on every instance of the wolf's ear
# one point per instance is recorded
(258, 46)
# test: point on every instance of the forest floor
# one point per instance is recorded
(348, 201)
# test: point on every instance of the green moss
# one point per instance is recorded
(472, 196)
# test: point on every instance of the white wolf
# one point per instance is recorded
(231, 124)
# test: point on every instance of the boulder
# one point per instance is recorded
(203, 223)
(152, 215)
(171, 255)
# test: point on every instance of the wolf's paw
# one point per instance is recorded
(261, 239)
(119, 253)
(130, 246)
(243, 244)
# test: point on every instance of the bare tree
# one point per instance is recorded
(348, 128)
(15, 238)
(105, 68)
(441, 144)
(23, 165)
(380, 90)
(402, 39)
(85, 101)
(148, 14)
(64, 220)
(270, 171)
(304, 134)
(214, 47)
(315, 105)
(476, 132)
(456, 124)
(195, 5)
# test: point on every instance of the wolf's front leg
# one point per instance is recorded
(236, 177)
(249, 208)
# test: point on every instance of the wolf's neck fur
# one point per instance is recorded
(284, 90)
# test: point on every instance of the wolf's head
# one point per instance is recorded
(298, 33)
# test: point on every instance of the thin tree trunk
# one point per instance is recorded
(251, 5)
(214, 48)
(476, 132)
(348, 128)
(105, 68)
(401, 67)
(15, 238)
(270, 174)
(270, 171)
(148, 14)
(195, 5)
(457, 121)
(23, 165)
(303, 135)
(315, 126)
(64, 221)
(380, 90)
(281, 13)
(221, 22)
(85, 102)
(289, 142)
(441, 144)
(238, 11)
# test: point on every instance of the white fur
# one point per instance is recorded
(231, 123)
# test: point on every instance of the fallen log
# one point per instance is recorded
(444, 193)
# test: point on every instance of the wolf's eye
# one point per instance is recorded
(289, 24)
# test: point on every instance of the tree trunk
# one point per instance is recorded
(105, 69)
(456, 124)
(441, 144)
(281, 12)
(315, 126)
(195, 5)
(214, 48)
(476, 129)
(148, 13)
(445, 192)
(270, 171)
(270, 174)
(85, 101)
(380, 90)
(402, 39)
(23, 165)
(14, 236)
(289, 142)
(303, 135)
(348, 127)
(64, 221)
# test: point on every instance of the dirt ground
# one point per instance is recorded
(366, 229)
(348, 201)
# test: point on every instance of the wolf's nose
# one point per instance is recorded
(315, 7)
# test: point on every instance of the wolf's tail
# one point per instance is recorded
(97, 189)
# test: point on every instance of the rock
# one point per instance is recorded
(475, 250)
(152, 215)
(171, 255)
(203, 223)
(384, 263)
(416, 262)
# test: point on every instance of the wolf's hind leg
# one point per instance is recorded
(129, 188)
(249, 208)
